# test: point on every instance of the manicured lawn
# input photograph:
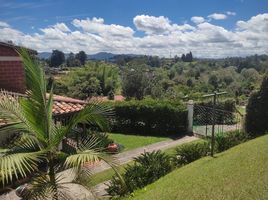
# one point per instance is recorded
(239, 173)
(135, 141)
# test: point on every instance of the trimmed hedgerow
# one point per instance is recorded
(149, 117)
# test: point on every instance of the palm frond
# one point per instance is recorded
(17, 113)
(37, 108)
(18, 164)
(87, 154)
(41, 188)
(95, 114)
(35, 77)
(26, 143)
(81, 158)
(10, 108)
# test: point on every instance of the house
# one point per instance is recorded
(12, 80)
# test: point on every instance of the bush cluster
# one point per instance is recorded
(257, 111)
(190, 152)
(147, 168)
(227, 140)
(149, 117)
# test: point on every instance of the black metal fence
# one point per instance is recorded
(223, 120)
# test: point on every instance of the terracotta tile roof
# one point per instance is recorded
(62, 105)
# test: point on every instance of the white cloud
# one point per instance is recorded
(158, 25)
(62, 27)
(3, 24)
(217, 16)
(258, 23)
(197, 19)
(161, 37)
(97, 26)
(151, 24)
(231, 13)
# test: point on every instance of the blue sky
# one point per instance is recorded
(30, 18)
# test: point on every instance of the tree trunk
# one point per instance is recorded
(52, 176)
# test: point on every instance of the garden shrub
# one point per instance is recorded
(227, 140)
(149, 117)
(190, 152)
(147, 168)
(225, 112)
(256, 122)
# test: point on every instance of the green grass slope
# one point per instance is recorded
(239, 173)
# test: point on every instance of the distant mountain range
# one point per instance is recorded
(97, 56)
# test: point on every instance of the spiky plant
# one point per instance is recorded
(36, 152)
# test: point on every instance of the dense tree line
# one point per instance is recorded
(57, 59)
(167, 78)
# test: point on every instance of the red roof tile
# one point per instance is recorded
(62, 105)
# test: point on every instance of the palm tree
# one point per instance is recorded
(36, 151)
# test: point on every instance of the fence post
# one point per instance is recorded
(190, 108)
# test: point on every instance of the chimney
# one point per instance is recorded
(12, 76)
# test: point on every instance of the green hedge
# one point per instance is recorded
(149, 117)
(224, 114)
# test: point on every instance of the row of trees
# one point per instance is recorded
(156, 77)
(73, 60)
(191, 80)
(188, 57)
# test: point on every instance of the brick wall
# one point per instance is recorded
(12, 76)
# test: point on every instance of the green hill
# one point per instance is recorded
(239, 173)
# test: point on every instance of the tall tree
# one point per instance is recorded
(40, 137)
(57, 58)
(213, 80)
(134, 83)
(183, 57)
(81, 56)
(70, 60)
(257, 111)
(189, 57)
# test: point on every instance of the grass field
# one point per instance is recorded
(135, 141)
(239, 173)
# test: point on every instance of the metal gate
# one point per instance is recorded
(204, 117)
